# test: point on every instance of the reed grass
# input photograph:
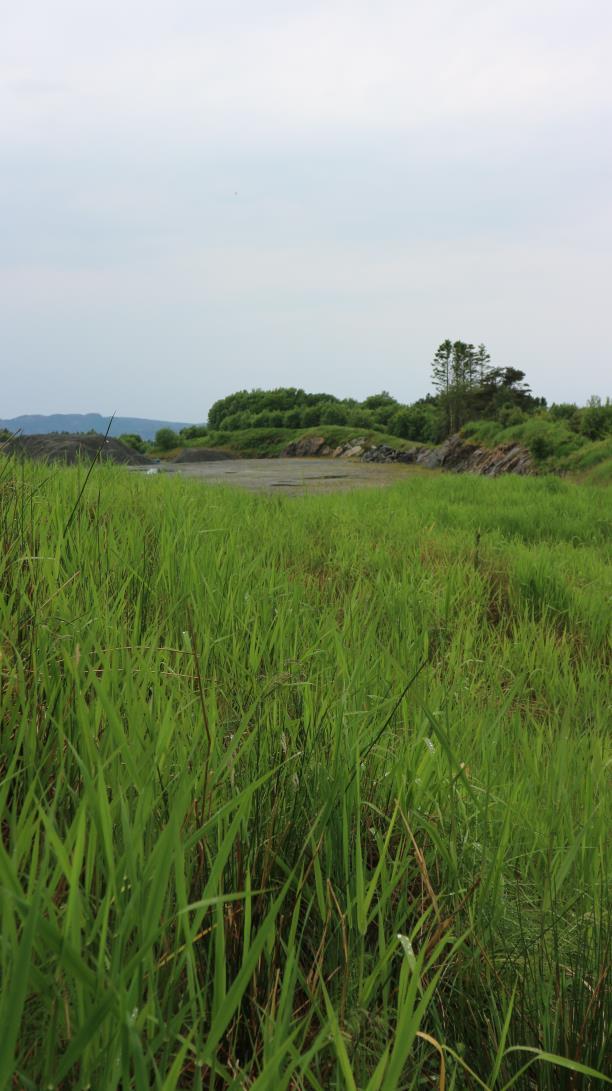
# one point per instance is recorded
(303, 793)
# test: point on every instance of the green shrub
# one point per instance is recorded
(549, 441)
(166, 439)
(136, 442)
(333, 414)
(193, 431)
(596, 419)
(567, 412)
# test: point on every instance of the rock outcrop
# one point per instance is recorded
(456, 454)
(307, 447)
(460, 456)
(353, 448)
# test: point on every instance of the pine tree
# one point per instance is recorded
(483, 362)
(457, 370)
(441, 368)
(463, 364)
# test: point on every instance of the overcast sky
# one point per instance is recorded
(201, 196)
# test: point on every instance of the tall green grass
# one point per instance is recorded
(302, 793)
(592, 463)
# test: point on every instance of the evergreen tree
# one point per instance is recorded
(463, 366)
(441, 373)
(458, 369)
(483, 362)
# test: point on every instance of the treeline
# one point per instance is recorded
(288, 407)
(468, 388)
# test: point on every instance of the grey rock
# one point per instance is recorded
(429, 457)
(306, 447)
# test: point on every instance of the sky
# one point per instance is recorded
(198, 197)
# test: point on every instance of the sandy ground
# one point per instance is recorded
(292, 475)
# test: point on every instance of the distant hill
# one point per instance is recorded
(31, 425)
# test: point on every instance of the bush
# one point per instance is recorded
(194, 431)
(269, 418)
(292, 418)
(509, 415)
(311, 416)
(415, 422)
(566, 411)
(596, 419)
(235, 422)
(134, 441)
(361, 418)
(333, 414)
(541, 446)
(166, 439)
(380, 401)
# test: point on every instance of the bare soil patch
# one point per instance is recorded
(203, 454)
(293, 475)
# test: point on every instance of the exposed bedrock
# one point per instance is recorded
(455, 454)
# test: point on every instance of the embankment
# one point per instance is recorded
(455, 454)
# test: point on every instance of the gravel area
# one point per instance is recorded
(292, 475)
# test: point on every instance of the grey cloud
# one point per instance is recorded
(202, 197)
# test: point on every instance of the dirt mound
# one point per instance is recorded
(60, 447)
(203, 454)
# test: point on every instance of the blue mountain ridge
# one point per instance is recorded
(40, 425)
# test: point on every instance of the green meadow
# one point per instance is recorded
(303, 793)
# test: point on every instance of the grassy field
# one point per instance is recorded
(302, 793)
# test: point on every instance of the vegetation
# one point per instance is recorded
(469, 388)
(135, 442)
(490, 404)
(302, 794)
(469, 392)
(554, 445)
(466, 383)
(293, 409)
(270, 442)
(593, 462)
(166, 439)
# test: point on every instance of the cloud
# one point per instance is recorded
(260, 70)
(312, 192)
